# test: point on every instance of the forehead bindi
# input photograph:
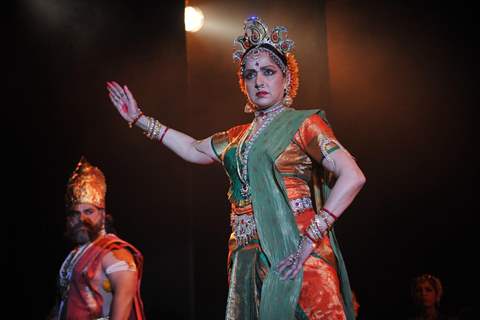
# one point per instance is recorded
(261, 61)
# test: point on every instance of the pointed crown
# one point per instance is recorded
(256, 34)
(86, 185)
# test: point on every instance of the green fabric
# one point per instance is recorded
(275, 222)
(242, 300)
(333, 149)
(230, 163)
(300, 314)
(276, 228)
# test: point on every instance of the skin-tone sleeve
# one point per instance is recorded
(123, 277)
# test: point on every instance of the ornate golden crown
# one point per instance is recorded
(86, 185)
(256, 33)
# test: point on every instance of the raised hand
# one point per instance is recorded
(291, 265)
(123, 101)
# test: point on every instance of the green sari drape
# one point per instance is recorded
(276, 227)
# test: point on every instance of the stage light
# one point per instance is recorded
(193, 19)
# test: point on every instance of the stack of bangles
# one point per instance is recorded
(321, 224)
(155, 130)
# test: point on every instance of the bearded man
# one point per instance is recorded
(100, 278)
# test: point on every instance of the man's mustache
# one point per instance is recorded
(82, 225)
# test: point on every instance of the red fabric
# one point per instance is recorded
(84, 300)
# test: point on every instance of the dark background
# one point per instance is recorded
(397, 82)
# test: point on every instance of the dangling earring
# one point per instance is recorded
(249, 107)
(287, 100)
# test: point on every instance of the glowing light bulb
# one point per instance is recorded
(193, 19)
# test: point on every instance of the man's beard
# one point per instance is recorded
(82, 233)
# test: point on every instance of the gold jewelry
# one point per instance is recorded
(256, 34)
(323, 214)
(249, 107)
(154, 129)
(287, 101)
(149, 126)
(130, 124)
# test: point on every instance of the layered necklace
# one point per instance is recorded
(66, 272)
(248, 139)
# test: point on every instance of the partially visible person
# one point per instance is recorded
(427, 293)
(356, 304)
(100, 278)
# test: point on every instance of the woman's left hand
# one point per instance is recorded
(291, 265)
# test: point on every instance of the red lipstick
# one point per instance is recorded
(261, 93)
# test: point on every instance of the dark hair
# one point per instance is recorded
(109, 227)
(269, 47)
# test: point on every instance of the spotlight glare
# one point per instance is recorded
(193, 19)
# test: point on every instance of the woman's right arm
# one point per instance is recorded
(186, 147)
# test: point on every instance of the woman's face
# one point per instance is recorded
(425, 294)
(264, 80)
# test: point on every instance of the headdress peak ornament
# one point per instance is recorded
(86, 185)
(256, 33)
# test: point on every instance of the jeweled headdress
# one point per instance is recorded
(256, 34)
(86, 185)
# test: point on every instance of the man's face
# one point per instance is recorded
(85, 222)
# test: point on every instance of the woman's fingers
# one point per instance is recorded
(283, 264)
(129, 94)
(114, 93)
(131, 100)
(286, 267)
(116, 86)
(123, 100)
(118, 96)
(289, 267)
(288, 274)
(118, 105)
(114, 100)
(296, 270)
(117, 91)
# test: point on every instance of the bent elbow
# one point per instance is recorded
(360, 180)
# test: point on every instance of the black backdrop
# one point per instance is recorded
(400, 95)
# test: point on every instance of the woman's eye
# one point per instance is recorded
(250, 75)
(269, 72)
